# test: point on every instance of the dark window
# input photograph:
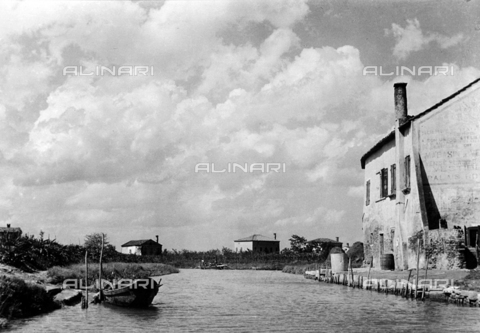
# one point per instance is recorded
(393, 178)
(367, 195)
(384, 183)
(407, 172)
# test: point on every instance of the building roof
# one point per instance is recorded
(257, 238)
(324, 240)
(408, 121)
(139, 242)
(8, 229)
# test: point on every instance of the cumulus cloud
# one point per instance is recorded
(232, 83)
(411, 39)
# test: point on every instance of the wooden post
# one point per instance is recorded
(85, 306)
(368, 276)
(351, 269)
(100, 295)
(418, 270)
(478, 245)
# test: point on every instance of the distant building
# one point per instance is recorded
(422, 184)
(258, 243)
(142, 247)
(8, 234)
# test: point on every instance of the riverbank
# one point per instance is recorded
(24, 294)
(458, 286)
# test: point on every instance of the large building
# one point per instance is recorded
(258, 243)
(422, 184)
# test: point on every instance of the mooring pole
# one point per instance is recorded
(85, 306)
(418, 271)
(100, 296)
(369, 285)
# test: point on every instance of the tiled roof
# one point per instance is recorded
(391, 135)
(138, 242)
(256, 237)
(324, 240)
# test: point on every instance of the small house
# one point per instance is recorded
(258, 243)
(8, 233)
(143, 247)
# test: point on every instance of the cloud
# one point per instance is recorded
(412, 39)
(233, 83)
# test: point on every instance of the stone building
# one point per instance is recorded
(258, 243)
(422, 184)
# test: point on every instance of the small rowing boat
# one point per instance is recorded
(137, 293)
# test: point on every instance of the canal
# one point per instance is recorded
(259, 301)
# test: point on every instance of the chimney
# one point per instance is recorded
(400, 96)
(337, 239)
(157, 237)
(8, 225)
(274, 235)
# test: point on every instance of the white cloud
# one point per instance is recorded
(116, 151)
(411, 39)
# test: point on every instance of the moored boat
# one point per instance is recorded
(137, 293)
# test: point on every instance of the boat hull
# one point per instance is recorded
(140, 293)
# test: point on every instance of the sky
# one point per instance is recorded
(214, 82)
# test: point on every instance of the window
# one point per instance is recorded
(407, 172)
(384, 183)
(367, 195)
(393, 178)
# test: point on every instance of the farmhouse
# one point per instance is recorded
(7, 233)
(258, 243)
(422, 185)
(142, 247)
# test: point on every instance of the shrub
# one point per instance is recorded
(19, 299)
(110, 271)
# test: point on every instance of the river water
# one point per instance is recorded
(259, 301)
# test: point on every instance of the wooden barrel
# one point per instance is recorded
(387, 262)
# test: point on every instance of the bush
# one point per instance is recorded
(30, 253)
(19, 299)
(110, 271)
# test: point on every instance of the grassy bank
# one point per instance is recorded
(114, 270)
(19, 299)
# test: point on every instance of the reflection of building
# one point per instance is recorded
(8, 233)
(258, 243)
(422, 184)
(143, 247)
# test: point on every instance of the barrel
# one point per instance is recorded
(387, 262)
(339, 262)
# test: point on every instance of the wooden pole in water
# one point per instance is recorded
(368, 276)
(86, 280)
(100, 296)
(418, 270)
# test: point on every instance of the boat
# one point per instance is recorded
(138, 293)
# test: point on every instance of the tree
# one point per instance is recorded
(298, 244)
(93, 244)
